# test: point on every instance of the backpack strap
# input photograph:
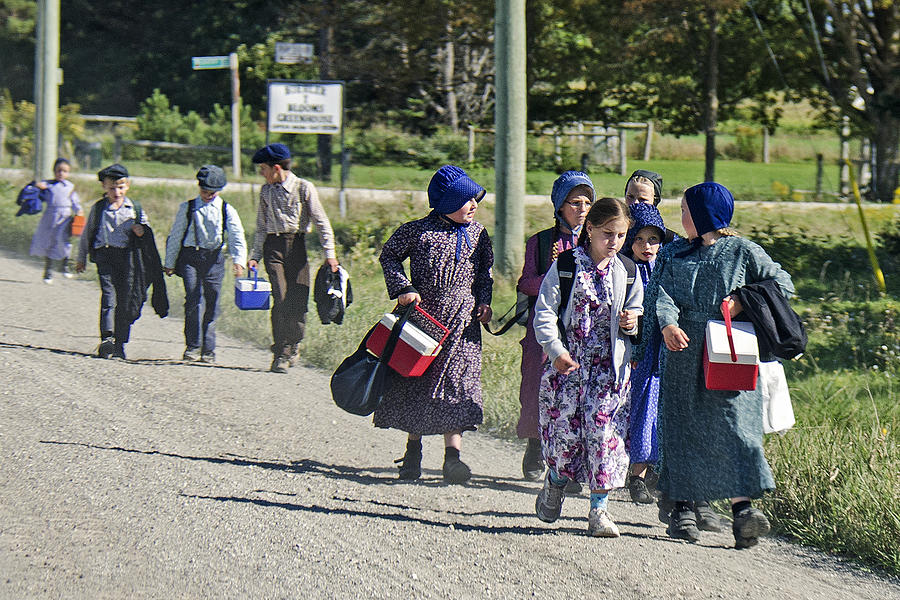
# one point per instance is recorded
(138, 212)
(631, 272)
(224, 222)
(190, 220)
(545, 243)
(565, 265)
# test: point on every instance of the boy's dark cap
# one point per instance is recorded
(211, 177)
(272, 153)
(654, 177)
(114, 171)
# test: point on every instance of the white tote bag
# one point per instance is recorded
(778, 413)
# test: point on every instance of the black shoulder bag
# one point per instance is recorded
(360, 382)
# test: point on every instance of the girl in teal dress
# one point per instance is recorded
(710, 441)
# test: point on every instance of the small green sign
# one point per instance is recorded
(209, 62)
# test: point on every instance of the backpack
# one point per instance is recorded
(565, 266)
(31, 199)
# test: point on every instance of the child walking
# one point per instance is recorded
(711, 441)
(583, 318)
(52, 238)
(194, 253)
(450, 260)
(572, 196)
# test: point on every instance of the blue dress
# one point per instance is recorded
(711, 442)
(52, 236)
(643, 445)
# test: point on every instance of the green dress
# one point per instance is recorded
(710, 441)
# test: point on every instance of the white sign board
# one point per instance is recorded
(305, 107)
(291, 54)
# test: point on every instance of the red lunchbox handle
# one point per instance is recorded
(726, 313)
(433, 320)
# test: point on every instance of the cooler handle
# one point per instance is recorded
(726, 313)
(255, 276)
(433, 320)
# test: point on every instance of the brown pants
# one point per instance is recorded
(285, 259)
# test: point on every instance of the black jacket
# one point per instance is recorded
(145, 269)
(332, 299)
(779, 330)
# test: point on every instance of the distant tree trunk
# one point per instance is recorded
(326, 37)
(448, 71)
(712, 95)
(885, 141)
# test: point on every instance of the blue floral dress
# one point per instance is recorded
(584, 415)
(643, 443)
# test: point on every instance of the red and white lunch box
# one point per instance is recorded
(730, 355)
(415, 349)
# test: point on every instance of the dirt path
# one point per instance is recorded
(155, 479)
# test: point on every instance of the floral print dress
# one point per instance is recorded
(584, 415)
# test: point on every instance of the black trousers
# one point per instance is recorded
(286, 264)
(112, 268)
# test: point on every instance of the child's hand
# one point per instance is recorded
(404, 299)
(628, 320)
(138, 229)
(79, 267)
(169, 272)
(675, 337)
(483, 313)
(238, 270)
(734, 306)
(564, 363)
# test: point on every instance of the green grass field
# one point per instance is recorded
(838, 471)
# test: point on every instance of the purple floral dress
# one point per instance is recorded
(584, 417)
(447, 397)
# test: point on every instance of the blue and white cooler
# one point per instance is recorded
(252, 293)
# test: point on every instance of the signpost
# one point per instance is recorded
(199, 63)
(315, 107)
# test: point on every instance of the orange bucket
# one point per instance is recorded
(77, 224)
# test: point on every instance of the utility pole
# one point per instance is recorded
(46, 88)
(510, 125)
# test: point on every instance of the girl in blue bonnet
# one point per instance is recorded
(585, 392)
(450, 260)
(572, 196)
(710, 441)
(52, 236)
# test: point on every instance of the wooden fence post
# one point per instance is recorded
(471, 144)
(648, 140)
(765, 148)
(623, 153)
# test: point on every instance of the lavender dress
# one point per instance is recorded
(450, 268)
(643, 440)
(52, 237)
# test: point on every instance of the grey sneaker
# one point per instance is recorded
(707, 519)
(208, 357)
(683, 525)
(748, 526)
(548, 504)
(600, 524)
(280, 364)
(664, 506)
(191, 354)
(638, 490)
(105, 350)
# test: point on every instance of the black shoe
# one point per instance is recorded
(573, 488)
(410, 465)
(293, 354)
(119, 351)
(533, 461)
(455, 470)
(280, 364)
(707, 519)
(683, 524)
(748, 526)
(106, 348)
(637, 487)
(665, 507)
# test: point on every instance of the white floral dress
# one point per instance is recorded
(583, 415)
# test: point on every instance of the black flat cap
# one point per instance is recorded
(114, 171)
(272, 153)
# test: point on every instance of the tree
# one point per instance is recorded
(859, 67)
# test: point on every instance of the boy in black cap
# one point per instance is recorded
(112, 221)
(194, 253)
(287, 207)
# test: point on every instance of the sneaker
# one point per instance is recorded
(208, 357)
(683, 525)
(748, 525)
(410, 465)
(665, 507)
(456, 471)
(280, 364)
(105, 349)
(707, 519)
(48, 280)
(600, 524)
(119, 352)
(533, 461)
(638, 490)
(191, 354)
(68, 275)
(548, 505)
(573, 488)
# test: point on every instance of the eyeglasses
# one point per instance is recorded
(579, 204)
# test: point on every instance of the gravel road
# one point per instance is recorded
(150, 478)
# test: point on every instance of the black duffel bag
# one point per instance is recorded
(361, 380)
